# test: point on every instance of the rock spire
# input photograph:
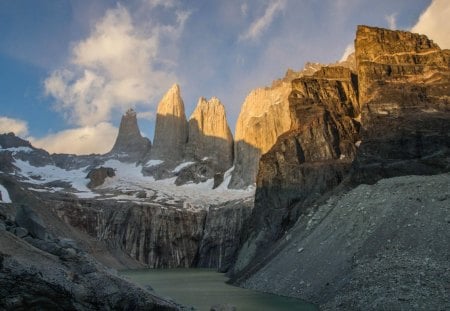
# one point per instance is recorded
(129, 140)
(209, 134)
(171, 129)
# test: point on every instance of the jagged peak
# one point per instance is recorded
(172, 102)
(130, 113)
(203, 105)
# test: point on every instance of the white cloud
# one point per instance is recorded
(84, 140)
(261, 24)
(435, 23)
(118, 66)
(18, 127)
(391, 19)
(348, 50)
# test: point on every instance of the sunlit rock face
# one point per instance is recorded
(264, 116)
(171, 131)
(404, 83)
(306, 161)
(130, 142)
(209, 135)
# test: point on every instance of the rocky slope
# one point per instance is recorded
(39, 271)
(404, 83)
(377, 247)
(210, 136)
(307, 161)
(402, 90)
(171, 131)
(130, 145)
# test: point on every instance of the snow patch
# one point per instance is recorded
(153, 163)
(15, 150)
(48, 173)
(181, 166)
(5, 195)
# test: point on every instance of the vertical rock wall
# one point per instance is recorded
(171, 129)
(209, 135)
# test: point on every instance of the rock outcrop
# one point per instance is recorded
(129, 143)
(264, 116)
(97, 176)
(161, 236)
(40, 272)
(209, 135)
(339, 253)
(171, 131)
(404, 81)
(307, 161)
(223, 227)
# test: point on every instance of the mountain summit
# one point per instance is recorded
(209, 134)
(171, 129)
(129, 140)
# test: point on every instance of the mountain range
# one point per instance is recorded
(334, 189)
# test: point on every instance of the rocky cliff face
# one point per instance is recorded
(159, 236)
(402, 84)
(223, 227)
(171, 129)
(209, 135)
(42, 270)
(404, 93)
(129, 142)
(264, 116)
(308, 160)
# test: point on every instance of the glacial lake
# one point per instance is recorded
(203, 288)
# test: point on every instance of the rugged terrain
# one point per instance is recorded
(393, 121)
(39, 269)
(377, 247)
(324, 223)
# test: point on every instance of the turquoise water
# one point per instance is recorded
(203, 288)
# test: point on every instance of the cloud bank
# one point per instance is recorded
(18, 127)
(116, 67)
(435, 23)
(122, 63)
(86, 140)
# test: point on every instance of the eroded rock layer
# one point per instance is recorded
(159, 236)
(404, 83)
(310, 159)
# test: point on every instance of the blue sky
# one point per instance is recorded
(69, 69)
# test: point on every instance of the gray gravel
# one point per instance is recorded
(378, 247)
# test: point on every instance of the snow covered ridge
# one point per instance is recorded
(49, 173)
(129, 184)
(15, 150)
(5, 195)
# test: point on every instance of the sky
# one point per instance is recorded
(71, 68)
